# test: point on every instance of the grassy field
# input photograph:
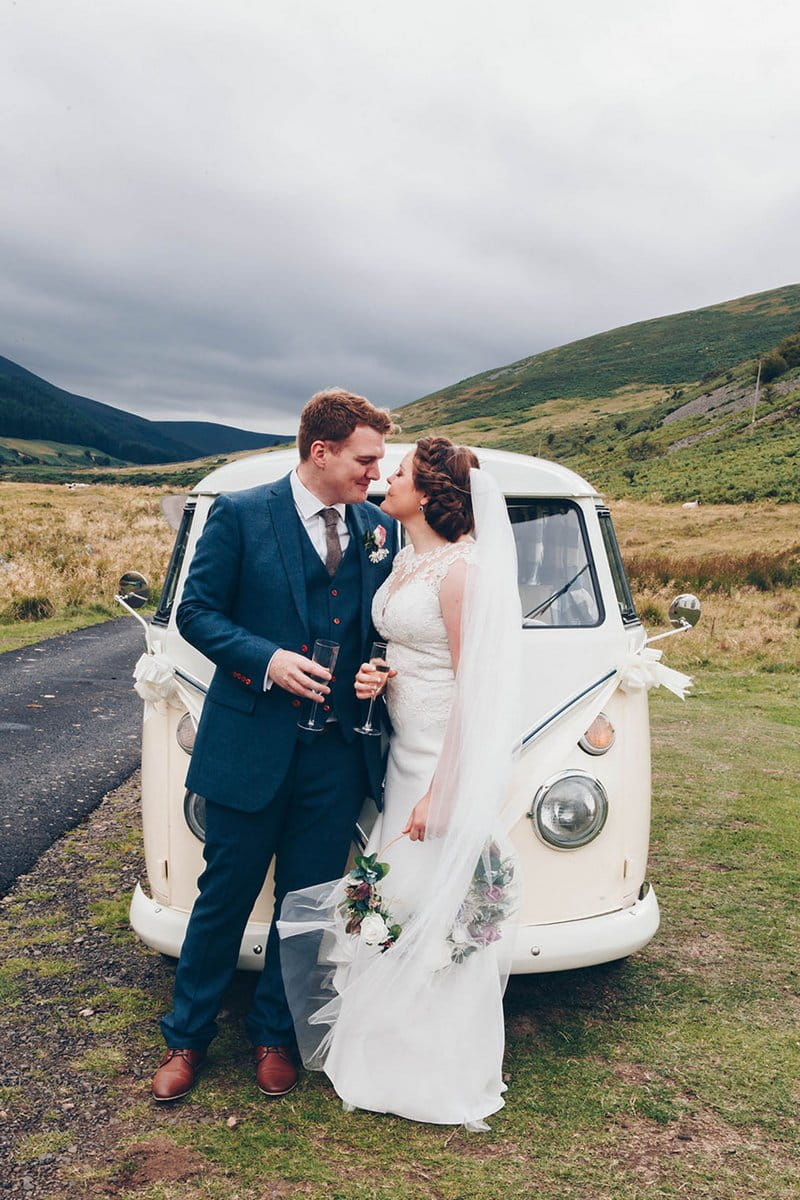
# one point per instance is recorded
(671, 1076)
(62, 552)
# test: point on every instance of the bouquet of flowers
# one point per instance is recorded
(490, 900)
(363, 907)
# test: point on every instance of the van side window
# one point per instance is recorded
(161, 616)
(621, 586)
(556, 575)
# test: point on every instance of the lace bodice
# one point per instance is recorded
(406, 613)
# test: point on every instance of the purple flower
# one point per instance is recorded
(486, 934)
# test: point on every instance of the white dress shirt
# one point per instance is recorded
(309, 510)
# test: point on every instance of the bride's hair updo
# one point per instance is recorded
(440, 471)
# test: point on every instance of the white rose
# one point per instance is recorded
(374, 929)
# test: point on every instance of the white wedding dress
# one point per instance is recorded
(430, 1064)
(410, 1030)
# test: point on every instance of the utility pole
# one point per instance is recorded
(755, 394)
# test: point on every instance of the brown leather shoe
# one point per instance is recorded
(276, 1073)
(176, 1074)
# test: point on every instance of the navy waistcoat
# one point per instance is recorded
(334, 607)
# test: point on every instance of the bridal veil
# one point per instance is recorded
(417, 1028)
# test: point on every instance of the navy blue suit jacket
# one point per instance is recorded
(245, 598)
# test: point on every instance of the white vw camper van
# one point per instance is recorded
(579, 808)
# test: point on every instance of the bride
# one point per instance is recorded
(395, 975)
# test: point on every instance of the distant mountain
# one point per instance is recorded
(663, 408)
(33, 409)
(206, 437)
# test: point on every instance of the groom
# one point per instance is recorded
(275, 568)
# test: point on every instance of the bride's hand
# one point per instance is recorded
(370, 681)
(418, 821)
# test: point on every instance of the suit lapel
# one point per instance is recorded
(287, 533)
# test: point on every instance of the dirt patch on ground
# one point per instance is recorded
(643, 1146)
(157, 1161)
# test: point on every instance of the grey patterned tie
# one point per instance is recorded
(333, 547)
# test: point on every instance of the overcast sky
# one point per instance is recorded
(211, 210)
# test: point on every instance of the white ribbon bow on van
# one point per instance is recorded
(643, 669)
(156, 682)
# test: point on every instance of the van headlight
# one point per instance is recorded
(194, 812)
(569, 810)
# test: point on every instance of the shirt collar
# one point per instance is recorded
(307, 504)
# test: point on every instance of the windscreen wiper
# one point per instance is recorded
(540, 608)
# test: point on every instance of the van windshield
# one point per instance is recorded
(557, 583)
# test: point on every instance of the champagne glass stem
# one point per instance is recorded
(368, 722)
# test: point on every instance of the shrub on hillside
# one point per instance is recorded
(773, 365)
(29, 608)
(716, 572)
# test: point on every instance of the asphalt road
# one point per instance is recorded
(70, 730)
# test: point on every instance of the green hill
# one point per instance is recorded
(25, 452)
(661, 408)
(31, 409)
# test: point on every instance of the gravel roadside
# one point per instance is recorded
(79, 1039)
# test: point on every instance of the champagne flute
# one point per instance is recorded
(377, 656)
(325, 654)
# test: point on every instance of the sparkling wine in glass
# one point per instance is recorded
(377, 656)
(325, 654)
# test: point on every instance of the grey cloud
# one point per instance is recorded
(213, 212)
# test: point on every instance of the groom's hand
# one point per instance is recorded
(298, 675)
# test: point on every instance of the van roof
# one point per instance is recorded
(517, 474)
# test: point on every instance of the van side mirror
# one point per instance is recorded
(684, 611)
(134, 590)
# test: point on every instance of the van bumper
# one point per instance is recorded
(164, 929)
(567, 945)
(537, 949)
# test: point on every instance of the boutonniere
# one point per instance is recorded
(375, 544)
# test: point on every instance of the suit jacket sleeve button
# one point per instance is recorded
(326, 708)
(337, 620)
(295, 704)
(304, 649)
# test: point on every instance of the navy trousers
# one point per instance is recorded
(308, 826)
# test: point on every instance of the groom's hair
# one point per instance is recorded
(332, 415)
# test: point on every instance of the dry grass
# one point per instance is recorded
(746, 628)
(68, 549)
(722, 541)
(64, 550)
(735, 529)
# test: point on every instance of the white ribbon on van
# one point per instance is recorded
(642, 670)
(156, 682)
